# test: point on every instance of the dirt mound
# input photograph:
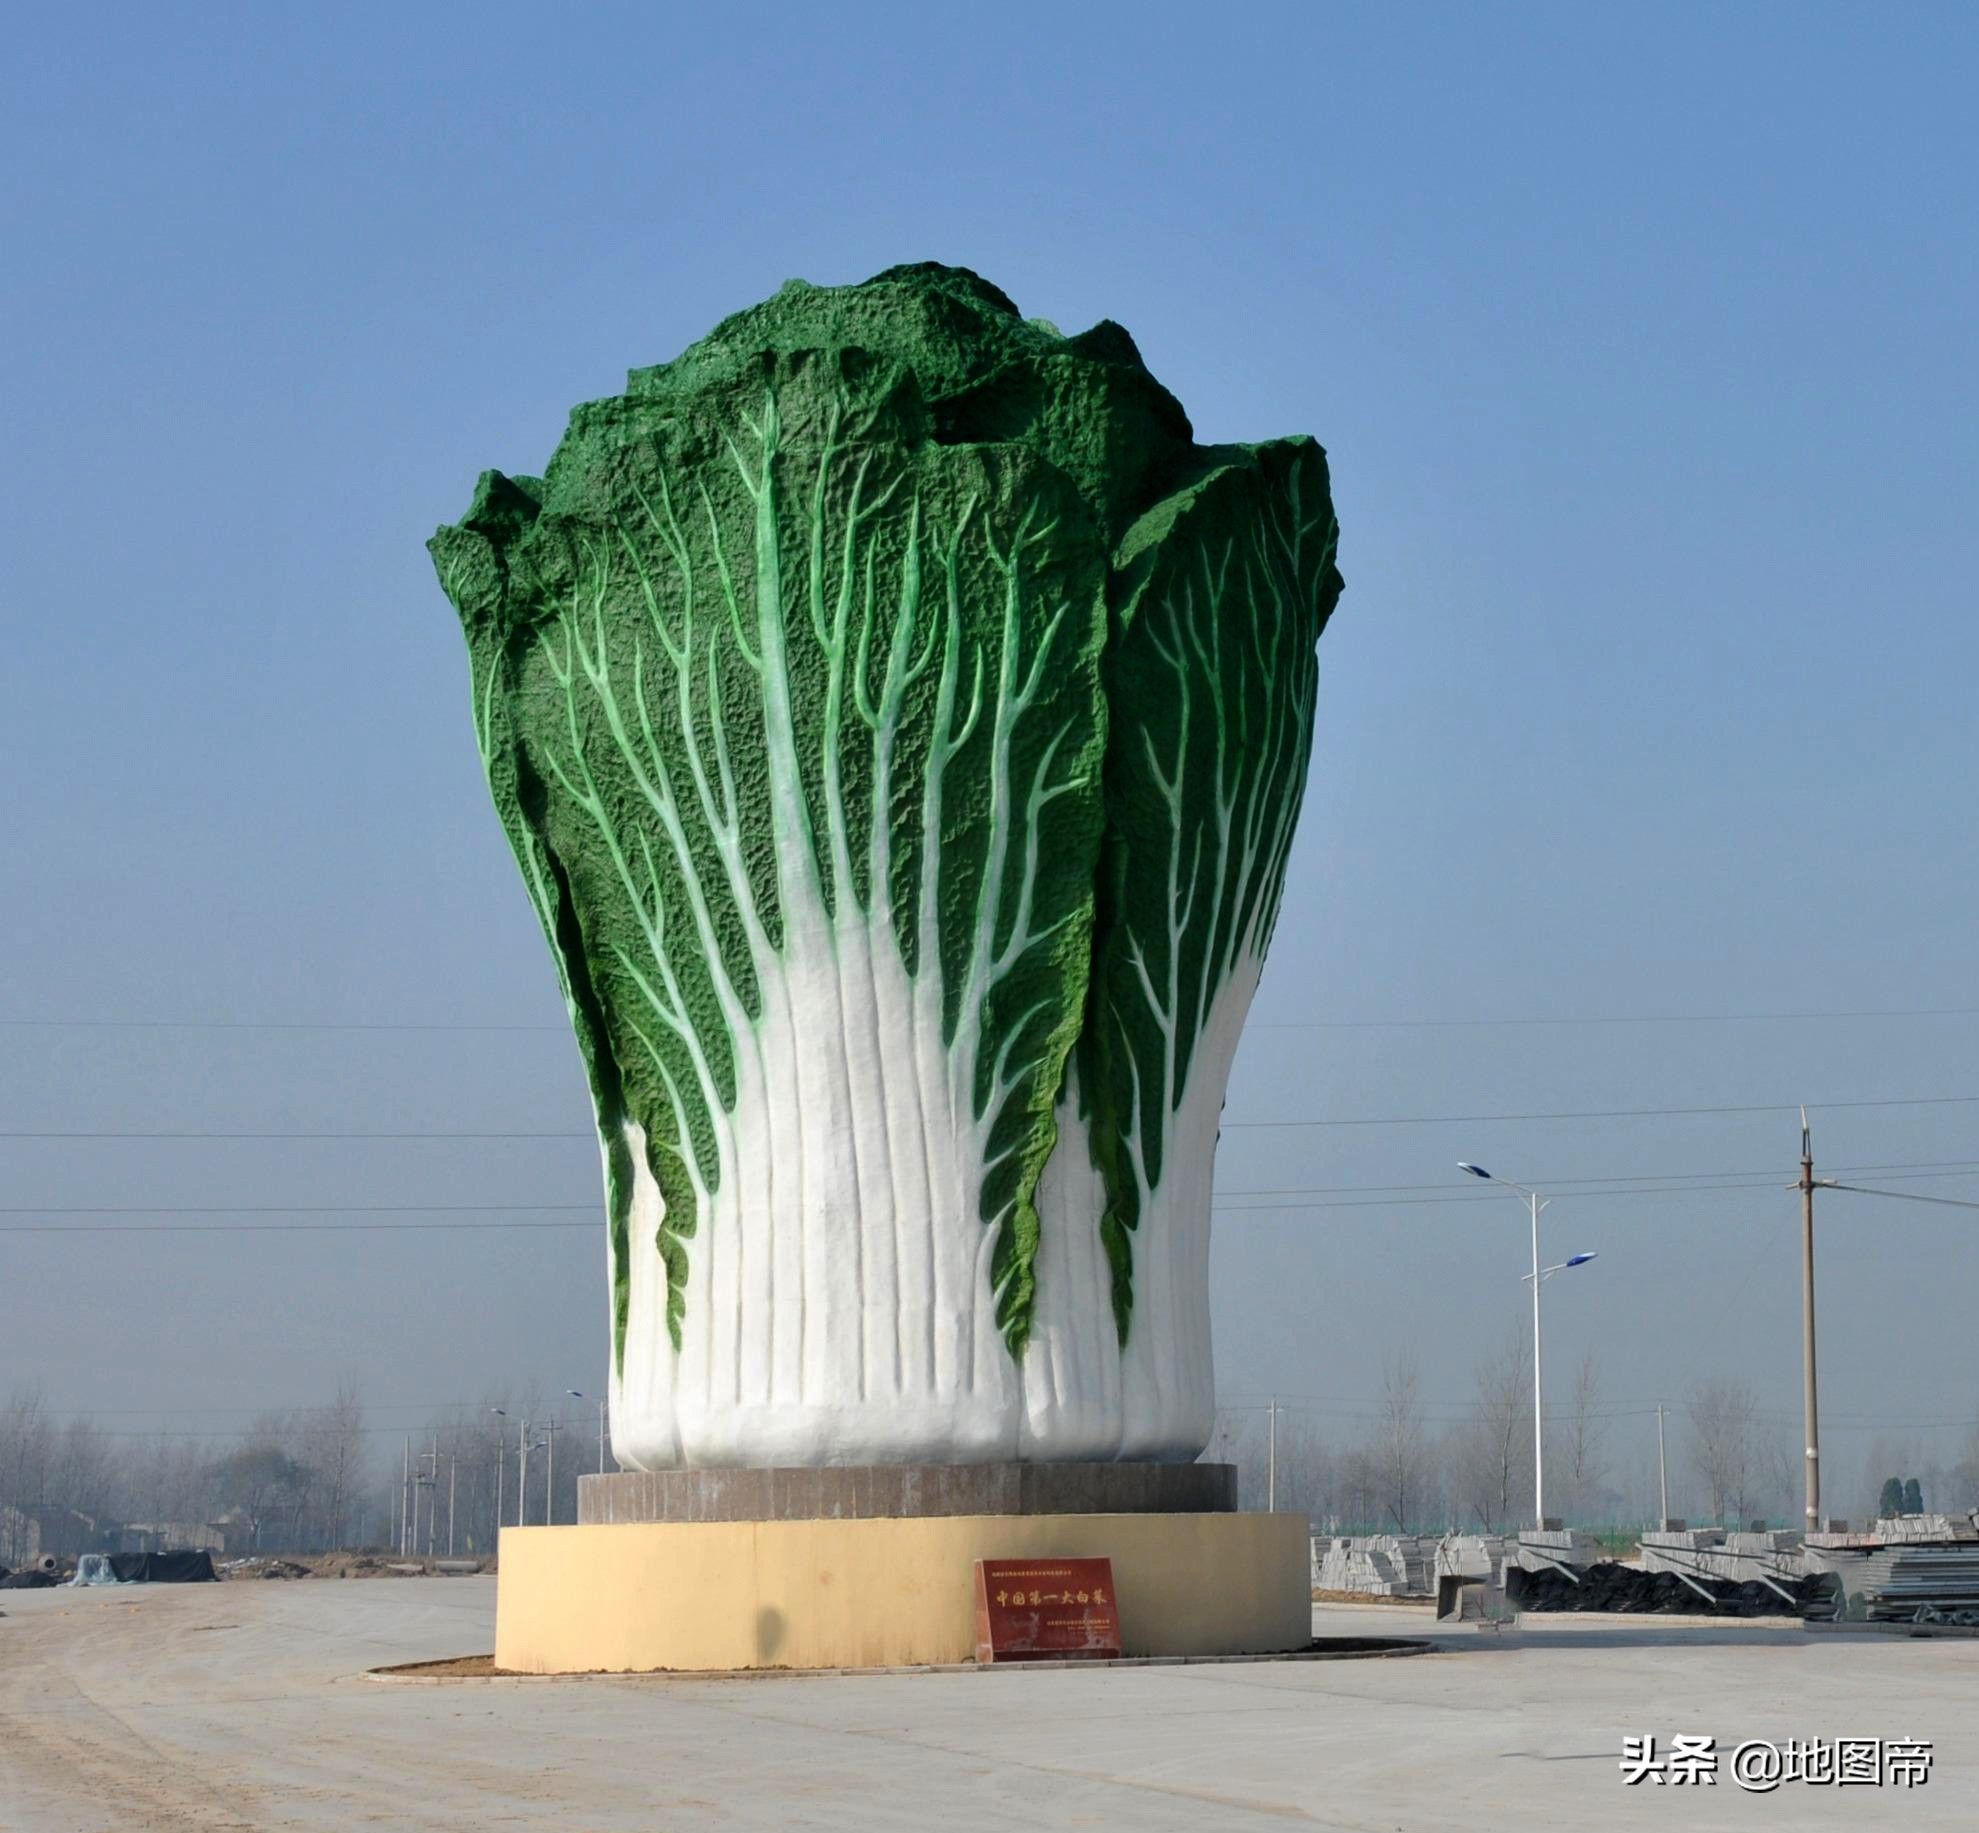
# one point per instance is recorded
(262, 1566)
(351, 1565)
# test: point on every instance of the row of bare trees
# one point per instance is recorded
(67, 1484)
(319, 1477)
(1403, 1465)
(304, 1479)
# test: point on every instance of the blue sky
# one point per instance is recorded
(1642, 345)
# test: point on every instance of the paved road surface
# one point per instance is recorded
(240, 1706)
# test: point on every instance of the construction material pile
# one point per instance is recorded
(190, 1568)
(261, 1565)
(1770, 1557)
(1374, 1565)
(1914, 1581)
(1629, 1590)
(1473, 1556)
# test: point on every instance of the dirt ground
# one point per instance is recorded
(248, 1706)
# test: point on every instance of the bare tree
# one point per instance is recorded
(1964, 1474)
(1491, 1452)
(25, 1443)
(1401, 1454)
(334, 1449)
(82, 1477)
(1357, 1486)
(1782, 1471)
(1305, 1470)
(1722, 1444)
(1586, 1462)
(265, 1482)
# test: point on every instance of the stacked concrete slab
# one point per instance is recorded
(1904, 1529)
(1376, 1565)
(1545, 1549)
(1906, 1569)
(1768, 1557)
(1473, 1556)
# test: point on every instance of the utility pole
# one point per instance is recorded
(1662, 1468)
(427, 1484)
(1538, 1387)
(501, 1450)
(550, 1478)
(522, 1477)
(1809, 1406)
(453, 1476)
(405, 1496)
(1271, 1460)
(577, 1394)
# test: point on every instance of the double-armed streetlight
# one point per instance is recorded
(526, 1444)
(1538, 1276)
(523, 1447)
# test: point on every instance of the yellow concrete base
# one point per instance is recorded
(838, 1594)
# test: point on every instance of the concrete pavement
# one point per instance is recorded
(243, 1705)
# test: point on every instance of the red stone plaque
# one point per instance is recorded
(1046, 1610)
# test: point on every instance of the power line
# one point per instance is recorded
(275, 1228)
(1755, 1181)
(1369, 1196)
(1660, 1190)
(254, 1024)
(1612, 1113)
(344, 1135)
(1565, 1186)
(1438, 1413)
(280, 1209)
(1906, 1196)
(1363, 1120)
(471, 1028)
(236, 1435)
(315, 1406)
(1444, 1413)
(1639, 1018)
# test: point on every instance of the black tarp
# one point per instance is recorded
(29, 1580)
(162, 1568)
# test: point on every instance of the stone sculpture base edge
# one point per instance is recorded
(895, 1492)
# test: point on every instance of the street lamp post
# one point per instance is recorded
(501, 1451)
(550, 1473)
(575, 1395)
(1539, 1275)
(522, 1450)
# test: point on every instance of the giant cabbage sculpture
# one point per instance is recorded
(900, 723)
